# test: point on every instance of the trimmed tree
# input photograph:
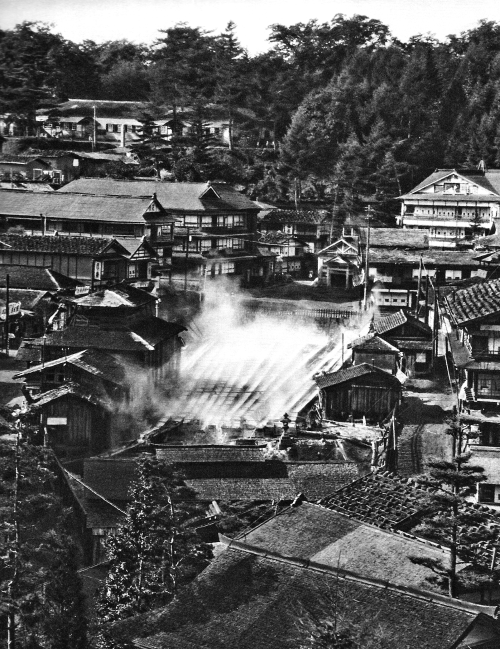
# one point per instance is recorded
(448, 518)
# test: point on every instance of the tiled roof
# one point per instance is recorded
(140, 336)
(172, 196)
(478, 301)
(60, 205)
(420, 345)
(248, 600)
(373, 344)
(74, 389)
(60, 244)
(115, 296)
(431, 258)
(390, 322)
(95, 362)
(231, 480)
(489, 180)
(382, 500)
(295, 216)
(211, 453)
(36, 277)
(327, 537)
(396, 238)
(353, 372)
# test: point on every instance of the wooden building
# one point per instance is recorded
(412, 337)
(359, 391)
(377, 351)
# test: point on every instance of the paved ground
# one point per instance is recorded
(428, 403)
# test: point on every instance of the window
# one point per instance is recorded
(191, 221)
(226, 267)
(132, 271)
(486, 493)
(453, 274)
(37, 173)
(205, 244)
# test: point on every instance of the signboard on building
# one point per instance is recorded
(14, 309)
(57, 421)
(82, 290)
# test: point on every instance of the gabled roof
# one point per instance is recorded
(350, 242)
(80, 207)
(95, 362)
(490, 181)
(72, 389)
(115, 296)
(373, 343)
(10, 158)
(353, 372)
(139, 336)
(475, 302)
(389, 322)
(36, 277)
(172, 196)
(28, 298)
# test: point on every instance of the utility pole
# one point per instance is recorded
(367, 252)
(419, 286)
(14, 554)
(94, 132)
(186, 261)
(7, 314)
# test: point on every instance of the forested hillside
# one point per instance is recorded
(355, 111)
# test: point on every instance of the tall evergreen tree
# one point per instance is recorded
(155, 549)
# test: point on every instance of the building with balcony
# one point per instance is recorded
(449, 200)
(473, 324)
(215, 225)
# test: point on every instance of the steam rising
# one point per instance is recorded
(240, 369)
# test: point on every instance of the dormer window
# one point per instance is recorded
(209, 194)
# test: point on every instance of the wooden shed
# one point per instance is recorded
(359, 391)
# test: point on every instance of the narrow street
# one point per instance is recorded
(427, 404)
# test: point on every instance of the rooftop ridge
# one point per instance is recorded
(426, 596)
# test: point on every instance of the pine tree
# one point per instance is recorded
(448, 518)
(39, 584)
(155, 549)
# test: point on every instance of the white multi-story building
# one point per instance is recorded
(447, 202)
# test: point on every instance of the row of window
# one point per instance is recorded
(204, 245)
(195, 221)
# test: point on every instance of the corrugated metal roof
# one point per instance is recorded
(79, 207)
(172, 196)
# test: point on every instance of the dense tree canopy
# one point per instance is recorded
(354, 111)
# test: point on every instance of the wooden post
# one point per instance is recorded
(419, 286)
(7, 315)
(365, 300)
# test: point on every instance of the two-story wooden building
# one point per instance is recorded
(448, 200)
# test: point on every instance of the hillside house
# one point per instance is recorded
(17, 167)
(92, 260)
(311, 226)
(83, 399)
(79, 214)
(118, 320)
(357, 392)
(215, 225)
(473, 326)
(448, 200)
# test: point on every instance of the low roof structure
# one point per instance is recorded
(253, 594)
(90, 246)
(36, 278)
(474, 303)
(354, 372)
(192, 197)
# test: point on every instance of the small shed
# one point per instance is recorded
(377, 351)
(359, 391)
